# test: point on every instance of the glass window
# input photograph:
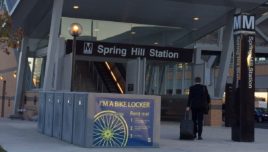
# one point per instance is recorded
(261, 60)
(174, 83)
(37, 68)
(37, 73)
(261, 99)
(119, 32)
(85, 23)
(31, 63)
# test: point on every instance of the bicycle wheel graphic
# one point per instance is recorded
(110, 130)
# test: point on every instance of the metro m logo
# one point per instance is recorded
(244, 22)
(88, 48)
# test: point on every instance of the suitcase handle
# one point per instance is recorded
(187, 115)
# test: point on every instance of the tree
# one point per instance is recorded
(9, 37)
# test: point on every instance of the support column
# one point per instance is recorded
(52, 45)
(183, 79)
(165, 81)
(3, 98)
(226, 55)
(135, 77)
(162, 69)
(59, 64)
(198, 67)
(174, 79)
(20, 74)
(197, 57)
(156, 75)
(208, 75)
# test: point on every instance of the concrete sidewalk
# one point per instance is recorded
(22, 136)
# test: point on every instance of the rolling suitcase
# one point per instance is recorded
(187, 127)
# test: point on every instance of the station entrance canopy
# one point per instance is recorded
(104, 49)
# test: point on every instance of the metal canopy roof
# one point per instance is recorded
(174, 13)
(35, 15)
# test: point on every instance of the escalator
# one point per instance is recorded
(105, 75)
(99, 77)
(122, 70)
(111, 76)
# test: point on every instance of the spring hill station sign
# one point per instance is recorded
(104, 49)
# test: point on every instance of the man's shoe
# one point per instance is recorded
(200, 138)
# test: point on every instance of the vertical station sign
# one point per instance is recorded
(244, 78)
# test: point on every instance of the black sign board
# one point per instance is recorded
(244, 79)
(104, 49)
(244, 23)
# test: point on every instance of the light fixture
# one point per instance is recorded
(1, 78)
(196, 18)
(155, 43)
(75, 7)
(75, 29)
(15, 74)
(133, 32)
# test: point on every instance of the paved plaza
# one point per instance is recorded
(22, 136)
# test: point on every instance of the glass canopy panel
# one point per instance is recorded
(118, 32)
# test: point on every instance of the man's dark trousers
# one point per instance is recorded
(198, 117)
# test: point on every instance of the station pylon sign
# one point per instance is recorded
(244, 78)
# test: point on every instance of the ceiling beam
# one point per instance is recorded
(261, 19)
(265, 37)
(196, 35)
(245, 4)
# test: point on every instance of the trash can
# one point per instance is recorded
(80, 119)
(41, 113)
(57, 115)
(67, 121)
(49, 114)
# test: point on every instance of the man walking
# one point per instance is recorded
(198, 102)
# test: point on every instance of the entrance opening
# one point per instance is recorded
(92, 76)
